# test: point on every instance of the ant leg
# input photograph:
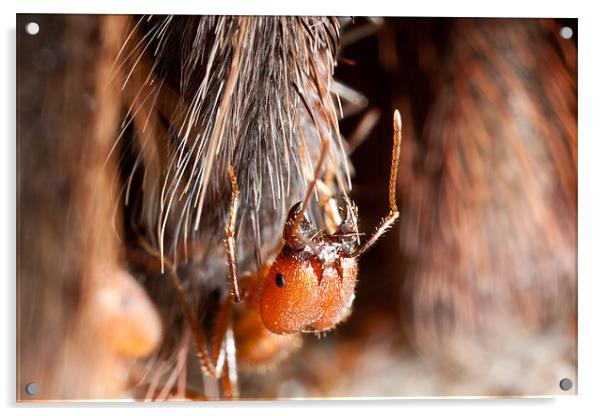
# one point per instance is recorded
(230, 241)
(388, 221)
(222, 322)
(230, 377)
(200, 342)
(224, 349)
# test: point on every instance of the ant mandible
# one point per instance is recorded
(309, 287)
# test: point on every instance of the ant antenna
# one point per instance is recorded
(310, 191)
(393, 211)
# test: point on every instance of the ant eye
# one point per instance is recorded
(279, 280)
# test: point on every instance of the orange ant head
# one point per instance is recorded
(311, 284)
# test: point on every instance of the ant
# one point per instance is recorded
(309, 287)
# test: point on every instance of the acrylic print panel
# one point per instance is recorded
(187, 226)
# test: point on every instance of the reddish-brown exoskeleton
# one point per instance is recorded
(309, 287)
(311, 283)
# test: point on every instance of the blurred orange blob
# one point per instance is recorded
(128, 322)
